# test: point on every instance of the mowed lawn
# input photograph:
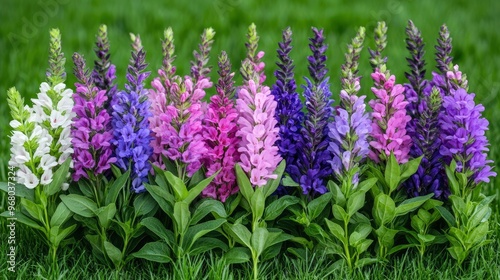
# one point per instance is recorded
(23, 61)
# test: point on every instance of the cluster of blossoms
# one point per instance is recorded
(289, 108)
(91, 135)
(389, 108)
(41, 139)
(313, 159)
(352, 124)
(257, 126)
(177, 110)
(220, 135)
(131, 134)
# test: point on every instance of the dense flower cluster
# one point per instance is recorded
(130, 121)
(352, 125)
(90, 131)
(314, 156)
(289, 107)
(220, 135)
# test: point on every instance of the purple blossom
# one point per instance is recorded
(314, 156)
(289, 107)
(130, 121)
(351, 126)
(91, 137)
(463, 136)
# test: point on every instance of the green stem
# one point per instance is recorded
(255, 266)
(346, 244)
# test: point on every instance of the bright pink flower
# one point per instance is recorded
(389, 120)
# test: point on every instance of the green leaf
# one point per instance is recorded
(195, 232)
(114, 254)
(106, 214)
(363, 246)
(116, 171)
(257, 203)
(208, 206)
(275, 208)
(160, 178)
(452, 179)
(58, 178)
(195, 192)
(411, 204)
(259, 238)
(360, 234)
(426, 238)
(271, 252)
(85, 189)
(245, 187)
(116, 187)
(355, 202)
(240, 233)
(154, 251)
(398, 248)
(144, 204)
(23, 219)
(156, 227)
(178, 186)
(481, 214)
(197, 177)
(276, 237)
(181, 216)
(337, 194)
(205, 244)
(287, 181)
(409, 168)
(317, 205)
(367, 184)
(33, 209)
(365, 261)
(339, 213)
(386, 236)
(80, 205)
(392, 173)
(447, 216)
(237, 255)
(19, 190)
(61, 215)
(417, 224)
(273, 184)
(64, 233)
(384, 209)
(478, 234)
(336, 230)
(164, 199)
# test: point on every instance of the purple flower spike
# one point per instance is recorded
(463, 136)
(289, 109)
(352, 125)
(130, 120)
(317, 61)
(91, 137)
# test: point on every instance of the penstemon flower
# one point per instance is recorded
(389, 108)
(91, 136)
(257, 125)
(289, 107)
(424, 106)
(352, 125)
(130, 121)
(220, 136)
(314, 156)
(177, 109)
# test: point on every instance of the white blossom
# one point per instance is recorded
(47, 162)
(46, 177)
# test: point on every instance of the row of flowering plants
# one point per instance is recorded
(156, 171)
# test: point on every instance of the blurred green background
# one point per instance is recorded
(25, 28)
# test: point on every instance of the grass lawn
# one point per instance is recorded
(23, 57)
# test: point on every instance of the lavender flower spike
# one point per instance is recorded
(289, 107)
(198, 67)
(313, 159)
(130, 120)
(352, 125)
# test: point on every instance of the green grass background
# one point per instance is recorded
(473, 25)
